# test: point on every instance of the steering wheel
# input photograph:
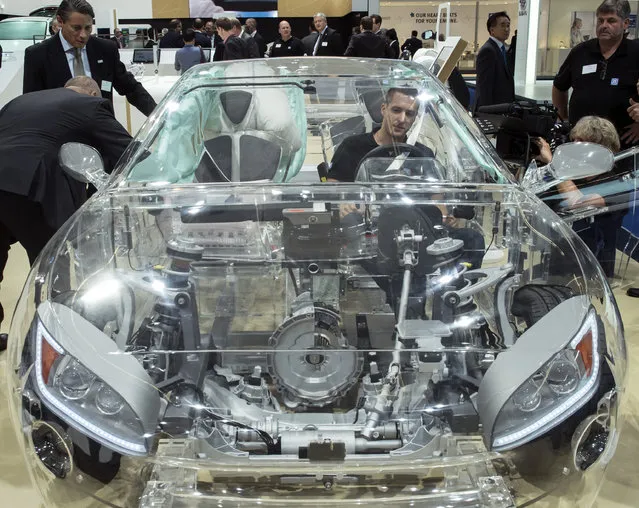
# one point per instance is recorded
(397, 149)
(392, 151)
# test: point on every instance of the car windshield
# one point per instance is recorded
(23, 30)
(278, 120)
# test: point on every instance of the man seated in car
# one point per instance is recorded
(399, 112)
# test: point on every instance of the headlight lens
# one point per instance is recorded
(554, 392)
(80, 398)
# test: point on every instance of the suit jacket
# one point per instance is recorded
(330, 43)
(172, 39)
(412, 45)
(202, 40)
(495, 82)
(309, 42)
(261, 45)
(235, 48)
(51, 118)
(117, 42)
(368, 45)
(46, 66)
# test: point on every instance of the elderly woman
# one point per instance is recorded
(600, 234)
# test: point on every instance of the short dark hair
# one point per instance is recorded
(224, 23)
(377, 19)
(388, 96)
(197, 24)
(174, 24)
(620, 7)
(366, 23)
(188, 35)
(492, 19)
(68, 7)
(413, 33)
(236, 23)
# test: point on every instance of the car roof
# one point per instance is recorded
(22, 19)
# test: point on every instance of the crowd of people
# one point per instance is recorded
(232, 41)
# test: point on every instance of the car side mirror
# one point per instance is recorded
(572, 161)
(84, 164)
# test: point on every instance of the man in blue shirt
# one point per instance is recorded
(190, 54)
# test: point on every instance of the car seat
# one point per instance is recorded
(260, 137)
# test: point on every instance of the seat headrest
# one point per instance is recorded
(373, 100)
(236, 104)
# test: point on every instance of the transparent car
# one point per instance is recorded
(219, 327)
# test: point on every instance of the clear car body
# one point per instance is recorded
(218, 328)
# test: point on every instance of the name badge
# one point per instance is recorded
(278, 45)
(325, 43)
(589, 69)
(106, 86)
(100, 61)
(614, 81)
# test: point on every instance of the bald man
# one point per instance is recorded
(36, 197)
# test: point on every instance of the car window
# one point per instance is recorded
(278, 121)
(23, 30)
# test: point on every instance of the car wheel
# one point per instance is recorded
(533, 301)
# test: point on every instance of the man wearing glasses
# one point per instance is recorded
(602, 73)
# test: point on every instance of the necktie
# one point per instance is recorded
(78, 66)
(317, 43)
(503, 53)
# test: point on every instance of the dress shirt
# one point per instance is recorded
(69, 52)
(317, 42)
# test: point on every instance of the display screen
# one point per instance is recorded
(143, 55)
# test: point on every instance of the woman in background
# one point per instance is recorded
(393, 41)
(575, 33)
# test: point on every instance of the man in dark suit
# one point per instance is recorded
(73, 53)
(366, 44)
(118, 38)
(36, 197)
(250, 27)
(251, 45)
(377, 25)
(310, 39)
(412, 44)
(201, 38)
(173, 38)
(495, 82)
(327, 42)
(234, 48)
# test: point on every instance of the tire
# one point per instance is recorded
(532, 302)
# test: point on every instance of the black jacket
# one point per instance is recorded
(330, 43)
(202, 40)
(368, 45)
(261, 45)
(46, 66)
(235, 49)
(412, 45)
(172, 39)
(495, 83)
(51, 118)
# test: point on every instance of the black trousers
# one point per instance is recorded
(21, 220)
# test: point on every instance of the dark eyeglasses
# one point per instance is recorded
(603, 66)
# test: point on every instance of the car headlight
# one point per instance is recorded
(90, 384)
(564, 358)
(556, 390)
